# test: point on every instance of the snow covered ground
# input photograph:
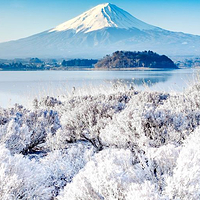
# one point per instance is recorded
(108, 143)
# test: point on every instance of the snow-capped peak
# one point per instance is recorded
(102, 16)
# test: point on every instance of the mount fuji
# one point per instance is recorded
(100, 31)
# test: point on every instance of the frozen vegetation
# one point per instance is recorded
(104, 143)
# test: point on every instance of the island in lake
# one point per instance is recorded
(128, 59)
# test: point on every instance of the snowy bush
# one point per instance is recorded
(25, 129)
(144, 191)
(150, 119)
(185, 182)
(21, 178)
(107, 176)
(106, 143)
(62, 166)
(87, 115)
(127, 128)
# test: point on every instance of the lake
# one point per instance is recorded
(23, 86)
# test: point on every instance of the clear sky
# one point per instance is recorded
(22, 18)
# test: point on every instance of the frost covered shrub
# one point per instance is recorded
(164, 126)
(119, 174)
(107, 176)
(17, 138)
(164, 157)
(24, 129)
(154, 119)
(185, 182)
(21, 178)
(194, 93)
(48, 102)
(106, 144)
(126, 129)
(87, 115)
(143, 191)
(62, 166)
(171, 121)
(161, 162)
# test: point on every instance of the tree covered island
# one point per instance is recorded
(128, 59)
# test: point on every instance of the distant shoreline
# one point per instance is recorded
(133, 69)
(96, 69)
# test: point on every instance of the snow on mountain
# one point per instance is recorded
(102, 16)
(101, 30)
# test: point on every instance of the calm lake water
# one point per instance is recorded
(22, 87)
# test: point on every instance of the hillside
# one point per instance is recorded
(100, 31)
(127, 59)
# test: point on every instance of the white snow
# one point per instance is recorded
(86, 145)
(102, 16)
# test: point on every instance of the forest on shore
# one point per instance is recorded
(118, 60)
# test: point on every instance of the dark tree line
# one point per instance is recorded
(20, 66)
(37, 64)
(194, 62)
(79, 62)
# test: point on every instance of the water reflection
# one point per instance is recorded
(17, 87)
(145, 80)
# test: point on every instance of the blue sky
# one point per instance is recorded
(22, 18)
